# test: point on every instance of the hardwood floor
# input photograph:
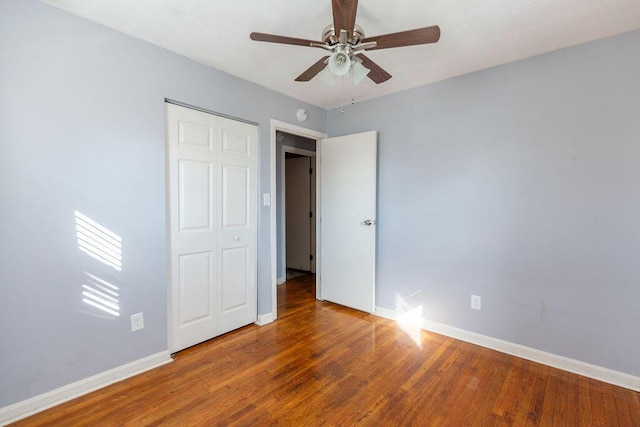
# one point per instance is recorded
(322, 364)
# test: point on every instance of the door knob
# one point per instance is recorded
(236, 238)
(369, 222)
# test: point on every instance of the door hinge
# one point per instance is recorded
(310, 257)
(310, 171)
(310, 214)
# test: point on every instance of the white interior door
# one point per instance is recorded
(298, 207)
(347, 173)
(211, 166)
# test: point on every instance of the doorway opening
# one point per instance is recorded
(291, 144)
(299, 196)
(346, 205)
(296, 213)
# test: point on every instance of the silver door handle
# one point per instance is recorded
(369, 222)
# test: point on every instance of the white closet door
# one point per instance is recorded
(237, 237)
(210, 192)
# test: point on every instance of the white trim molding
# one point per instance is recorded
(265, 319)
(39, 403)
(553, 360)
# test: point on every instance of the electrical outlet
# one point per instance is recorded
(476, 302)
(137, 322)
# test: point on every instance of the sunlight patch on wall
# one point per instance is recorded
(101, 294)
(409, 320)
(98, 242)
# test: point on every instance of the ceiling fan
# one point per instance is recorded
(346, 42)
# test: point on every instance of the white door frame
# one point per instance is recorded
(283, 205)
(277, 125)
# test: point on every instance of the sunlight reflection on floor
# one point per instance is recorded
(409, 319)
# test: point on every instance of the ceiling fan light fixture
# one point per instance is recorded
(358, 72)
(339, 63)
(327, 77)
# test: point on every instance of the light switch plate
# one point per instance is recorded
(476, 302)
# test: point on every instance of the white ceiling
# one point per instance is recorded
(475, 35)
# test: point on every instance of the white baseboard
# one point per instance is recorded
(280, 280)
(60, 395)
(265, 319)
(555, 361)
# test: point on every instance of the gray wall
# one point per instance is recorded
(519, 184)
(82, 128)
(291, 141)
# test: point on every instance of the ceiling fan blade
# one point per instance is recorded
(344, 16)
(376, 73)
(406, 38)
(312, 71)
(272, 38)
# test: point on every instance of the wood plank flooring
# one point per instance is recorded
(322, 364)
